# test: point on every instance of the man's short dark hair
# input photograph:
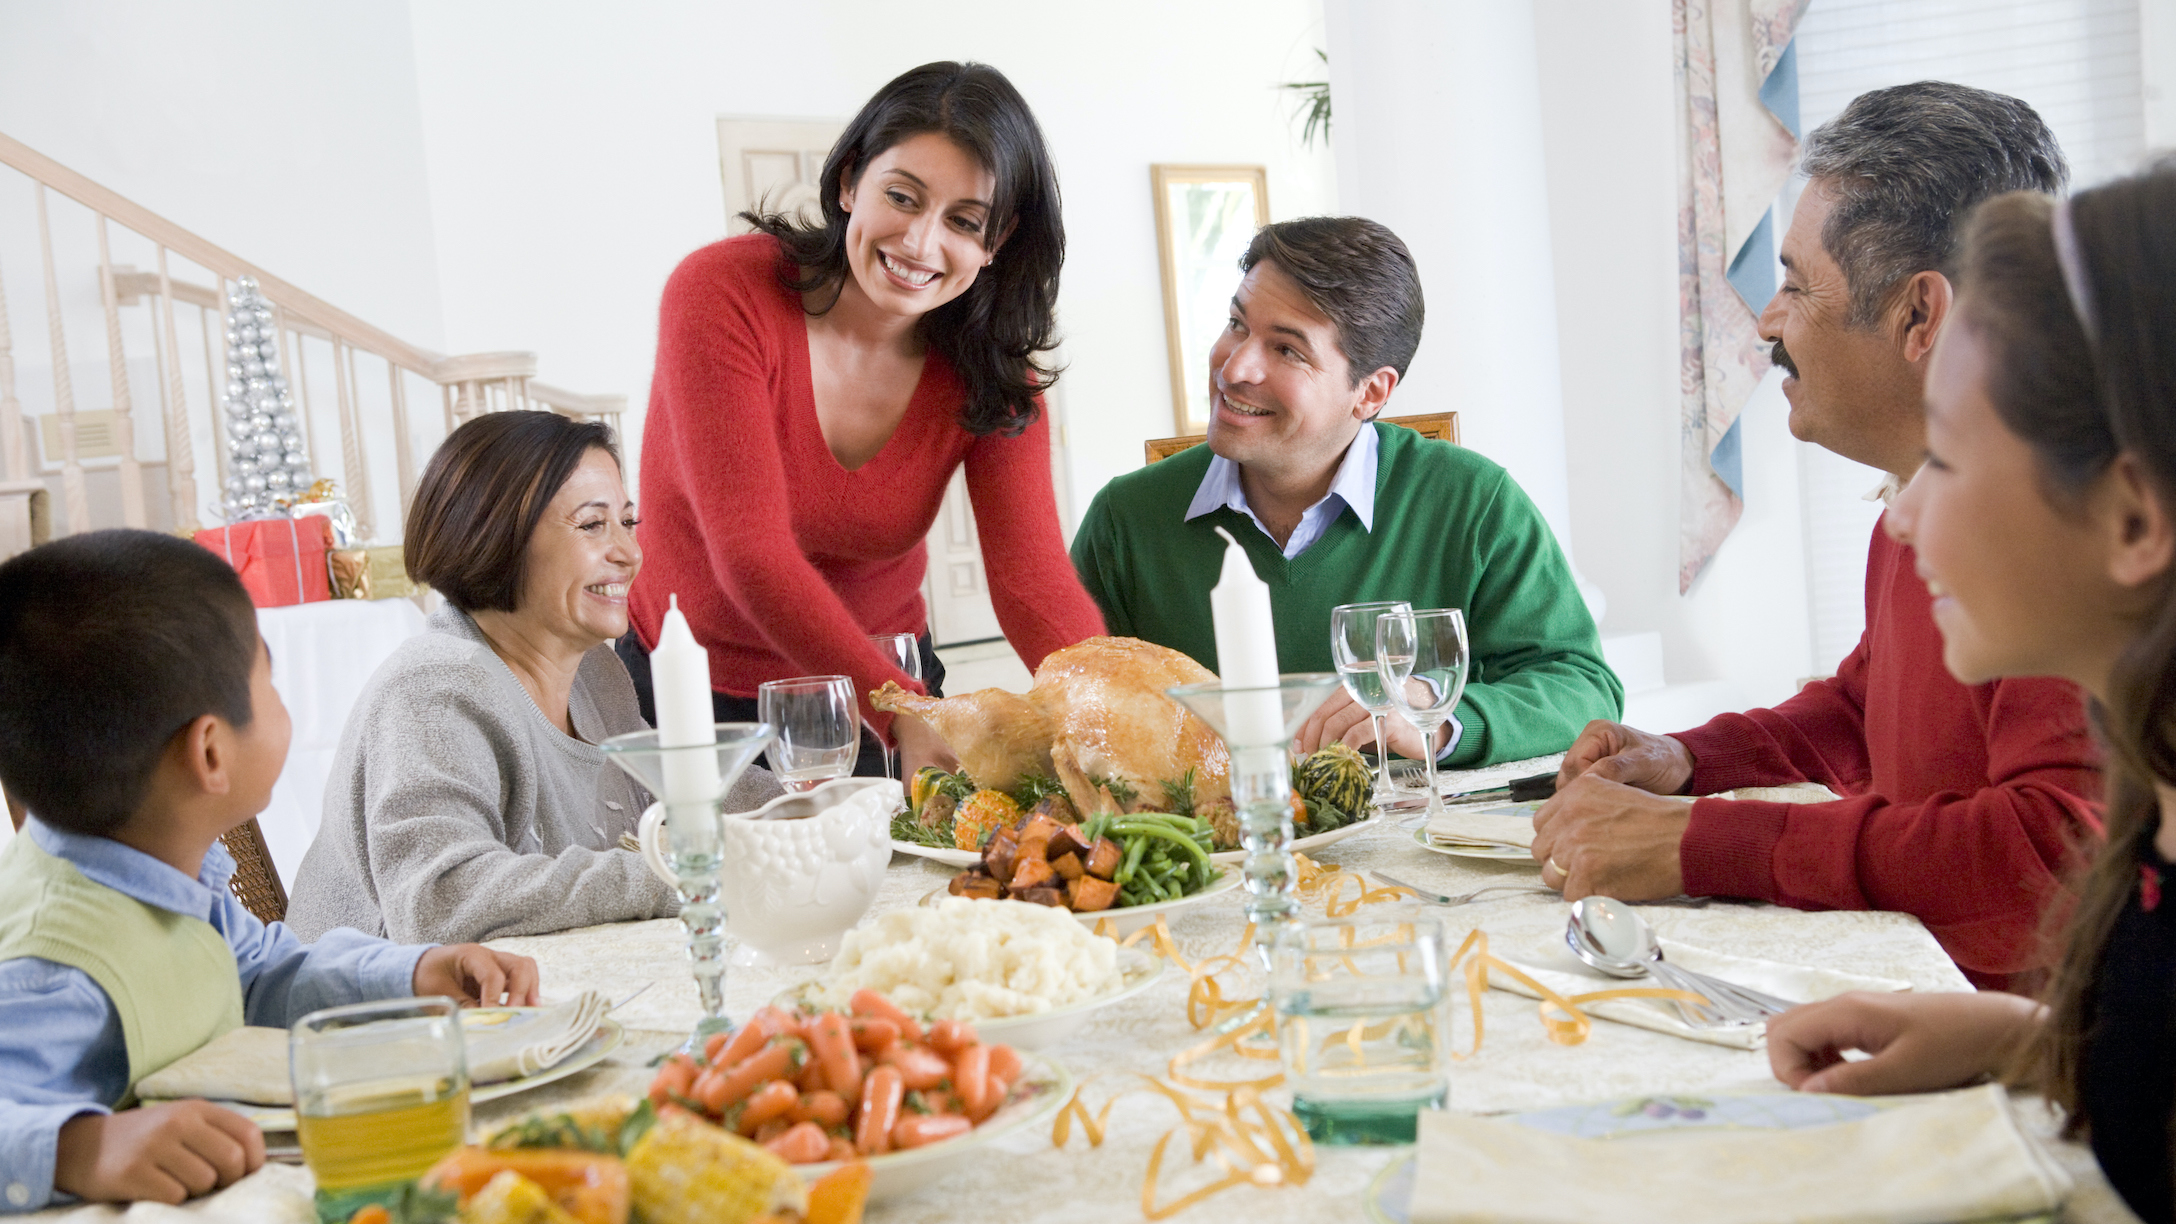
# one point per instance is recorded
(1906, 164)
(481, 497)
(111, 643)
(1359, 275)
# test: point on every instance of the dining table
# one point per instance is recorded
(1022, 1177)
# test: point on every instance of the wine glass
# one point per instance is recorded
(1353, 647)
(819, 728)
(903, 651)
(1423, 657)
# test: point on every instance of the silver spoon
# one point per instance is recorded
(1608, 935)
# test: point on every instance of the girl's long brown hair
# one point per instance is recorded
(2079, 400)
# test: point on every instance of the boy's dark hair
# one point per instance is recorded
(481, 497)
(110, 643)
(1357, 273)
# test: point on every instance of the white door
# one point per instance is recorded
(777, 161)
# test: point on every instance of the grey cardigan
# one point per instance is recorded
(456, 811)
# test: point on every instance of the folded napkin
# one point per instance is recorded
(1955, 1156)
(509, 1045)
(249, 1065)
(1552, 964)
(1506, 826)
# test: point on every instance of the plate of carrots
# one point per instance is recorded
(869, 1083)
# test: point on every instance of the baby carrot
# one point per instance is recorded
(841, 1150)
(971, 1075)
(881, 1094)
(745, 1040)
(916, 1130)
(872, 1035)
(866, 1002)
(772, 1100)
(992, 1097)
(804, 1143)
(834, 1043)
(825, 1109)
(949, 1037)
(774, 1061)
(1004, 1061)
(919, 1066)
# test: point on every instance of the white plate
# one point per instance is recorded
(606, 1039)
(1133, 917)
(1043, 1086)
(948, 856)
(1037, 1030)
(1501, 854)
(1313, 841)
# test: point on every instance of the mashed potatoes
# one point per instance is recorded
(973, 960)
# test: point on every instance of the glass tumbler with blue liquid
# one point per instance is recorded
(1362, 1022)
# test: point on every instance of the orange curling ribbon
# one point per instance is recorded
(1250, 1142)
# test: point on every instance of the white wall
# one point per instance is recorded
(573, 159)
(288, 134)
(1608, 121)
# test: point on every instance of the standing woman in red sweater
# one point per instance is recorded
(817, 385)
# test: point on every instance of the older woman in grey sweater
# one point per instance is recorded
(469, 798)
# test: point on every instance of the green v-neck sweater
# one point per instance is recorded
(1452, 530)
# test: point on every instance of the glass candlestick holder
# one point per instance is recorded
(1257, 725)
(691, 784)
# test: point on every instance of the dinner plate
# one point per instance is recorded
(1501, 854)
(1035, 1030)
(947, 855)
(606, 1039)
(1133, 917)
(1313, 841)
(1044, 1085)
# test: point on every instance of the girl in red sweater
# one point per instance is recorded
(2044, 524)
(818, 384)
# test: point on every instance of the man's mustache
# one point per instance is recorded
(1782, 357)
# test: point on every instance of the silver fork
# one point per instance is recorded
(1434, 898)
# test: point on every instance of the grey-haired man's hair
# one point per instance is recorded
(1905, 165)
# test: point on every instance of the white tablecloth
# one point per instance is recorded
(1021, 1178)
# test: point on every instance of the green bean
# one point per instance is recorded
(1163, 833)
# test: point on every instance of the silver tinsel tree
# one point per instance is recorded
(267, 467)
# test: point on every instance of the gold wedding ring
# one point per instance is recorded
(1559, 868)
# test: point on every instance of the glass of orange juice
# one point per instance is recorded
(381, 1092)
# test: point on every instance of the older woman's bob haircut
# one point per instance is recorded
(481, 496)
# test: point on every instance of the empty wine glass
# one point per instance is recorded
(1353, 647)
(903, 651)
(819, 728)
(1422, 657)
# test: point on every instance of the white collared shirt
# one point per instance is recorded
(1354, 487)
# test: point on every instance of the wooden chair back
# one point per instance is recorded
(256, 881)
(1442, 426)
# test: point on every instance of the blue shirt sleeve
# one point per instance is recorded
(284, 979)
(61, 1055)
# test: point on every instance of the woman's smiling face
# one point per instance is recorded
(916, 224)
(2021, 586)
(582, 557)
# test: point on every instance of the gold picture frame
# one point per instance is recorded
(1199, 222)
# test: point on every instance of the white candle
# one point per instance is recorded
(1246, 650)
(680, 682)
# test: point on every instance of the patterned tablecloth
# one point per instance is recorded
(1517, 1067)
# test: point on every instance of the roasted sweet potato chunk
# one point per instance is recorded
(1067, 841)
(1068, 867)
(977, 885)
(1044, 896)
(999, 855)
(1087, 894)
(1103, 858)
(1031, 873)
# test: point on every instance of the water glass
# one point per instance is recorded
(381, 1092)
(1362, 1022)
(1423, 659)
(819, 728)
(903, 651)
(1353, 644)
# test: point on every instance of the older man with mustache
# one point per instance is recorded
(1961, 804)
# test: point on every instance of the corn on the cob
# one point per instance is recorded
(510, 1198)
(686, 1171)
(984, 811)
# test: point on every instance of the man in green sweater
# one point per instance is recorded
(1334, 508)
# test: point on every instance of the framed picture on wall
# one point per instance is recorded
(1205, 216)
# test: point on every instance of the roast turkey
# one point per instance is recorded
(1096, 719)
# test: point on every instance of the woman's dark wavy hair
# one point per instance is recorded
(2079, 402)
(994, 333)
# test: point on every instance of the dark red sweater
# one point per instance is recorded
(784, 561)
(1963, 805)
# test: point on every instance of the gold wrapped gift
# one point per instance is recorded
(387, 573)
(350, 571)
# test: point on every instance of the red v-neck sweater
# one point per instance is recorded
(1963, 805)
(783, 560)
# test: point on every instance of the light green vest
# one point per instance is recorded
(171, 977)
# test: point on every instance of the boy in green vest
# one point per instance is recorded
(1334, 507)
(138, 724)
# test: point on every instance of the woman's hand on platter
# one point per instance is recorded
(919, 746)
(476, 976)
(1917, 1042)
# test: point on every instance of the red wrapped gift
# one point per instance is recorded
(281, 560)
